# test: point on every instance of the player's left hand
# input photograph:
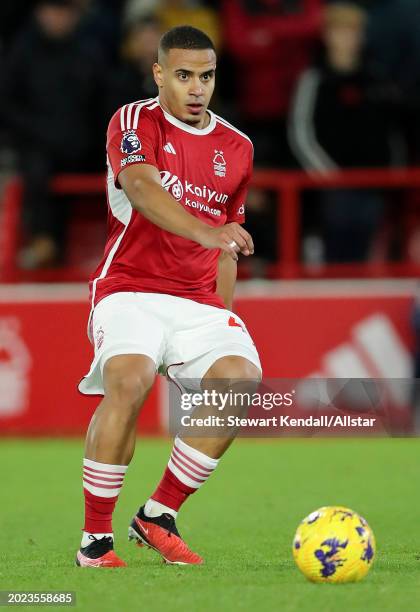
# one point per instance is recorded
(231, 238)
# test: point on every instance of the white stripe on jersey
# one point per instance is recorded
(230, 126)
(121, 210)
(118, 202)
(137, 113)
(129, 111)
(122, 122)
(107, 264)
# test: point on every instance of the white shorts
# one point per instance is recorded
(174, 332)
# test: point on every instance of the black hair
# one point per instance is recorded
(185, 37)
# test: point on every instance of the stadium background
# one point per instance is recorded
(329, 93)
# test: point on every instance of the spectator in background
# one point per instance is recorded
(343, 116)
(101, 22)
(393, 41)
(50, 92)
(270, 42)
(133, 79)
(171, 13)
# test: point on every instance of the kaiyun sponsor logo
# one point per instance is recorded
(172, 183)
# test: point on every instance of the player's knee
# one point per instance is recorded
(128, 387)
(130, 390)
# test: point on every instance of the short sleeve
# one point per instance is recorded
(236, 209)
(131, 139)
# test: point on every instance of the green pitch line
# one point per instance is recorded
(242, 522)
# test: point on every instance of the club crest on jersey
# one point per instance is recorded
(219, 163)
(130, 142)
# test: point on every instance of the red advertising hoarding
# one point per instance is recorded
(44, 349)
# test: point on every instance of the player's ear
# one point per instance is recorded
(157, 73)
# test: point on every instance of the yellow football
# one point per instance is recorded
(334, 544)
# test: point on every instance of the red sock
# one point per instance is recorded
(98, 513)
(187, 470)
(102, 484)
(171, 492)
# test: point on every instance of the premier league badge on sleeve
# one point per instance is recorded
(130, 142)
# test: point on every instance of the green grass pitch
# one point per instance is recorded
(242, 521)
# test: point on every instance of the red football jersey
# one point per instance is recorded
(207, 170)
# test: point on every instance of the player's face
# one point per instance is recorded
(186, 81)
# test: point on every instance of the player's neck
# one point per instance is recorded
(198, 126)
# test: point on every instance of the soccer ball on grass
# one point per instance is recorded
(334, 544)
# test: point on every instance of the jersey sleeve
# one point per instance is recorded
(131, 139)
(236, 209)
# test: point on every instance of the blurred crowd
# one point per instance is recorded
(317, 85)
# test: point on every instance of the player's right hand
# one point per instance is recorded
(231, 238)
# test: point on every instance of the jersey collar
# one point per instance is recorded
(188, 128)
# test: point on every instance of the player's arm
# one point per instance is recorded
(226, 279)
(142, 185)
